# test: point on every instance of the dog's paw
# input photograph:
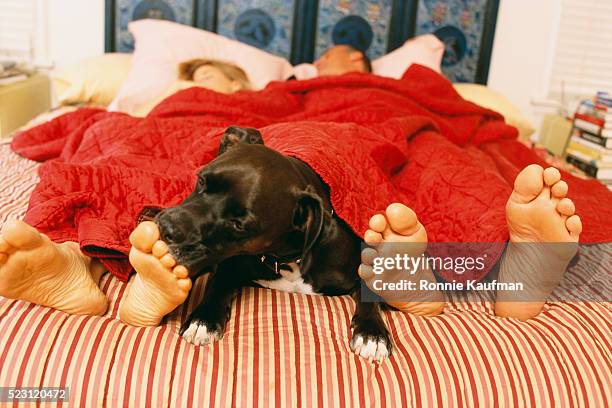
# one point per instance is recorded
(197, 332)
(370, 346)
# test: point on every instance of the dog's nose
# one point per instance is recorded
(169, 229)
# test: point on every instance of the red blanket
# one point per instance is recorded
(373, 140)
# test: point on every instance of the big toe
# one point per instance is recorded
(20, 235)
(402, 219)
(144, 236)
(529, 183)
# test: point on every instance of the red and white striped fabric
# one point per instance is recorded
(290, 350)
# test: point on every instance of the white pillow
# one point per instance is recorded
(94, 80)
(305, 71)
(424, 49)
(161, 45)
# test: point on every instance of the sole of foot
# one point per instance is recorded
(544, 232)
(160, 285)
(35, 269)
(399, 232)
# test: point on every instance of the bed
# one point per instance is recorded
(292, 350)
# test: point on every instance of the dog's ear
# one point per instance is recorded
(308, 216)
(235, 134)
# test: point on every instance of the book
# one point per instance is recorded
(583, 124)
(587, 159)
(603, 173)
(595, 109)
(591, 127)
(604, 98)
(590, 149)
(591, 137)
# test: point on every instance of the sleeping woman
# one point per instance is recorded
(219, 76)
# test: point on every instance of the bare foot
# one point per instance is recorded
(399, 232)
(34, 268)
(543, 239)
(159, 286)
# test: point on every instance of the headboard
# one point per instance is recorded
(300, 30)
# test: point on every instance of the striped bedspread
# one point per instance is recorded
(292, 350)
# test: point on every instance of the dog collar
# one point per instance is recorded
(276, 264)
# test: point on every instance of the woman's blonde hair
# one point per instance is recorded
(234, 73)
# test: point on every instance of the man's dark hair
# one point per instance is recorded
(367, 64)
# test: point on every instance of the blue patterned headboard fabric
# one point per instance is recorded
(301, 30)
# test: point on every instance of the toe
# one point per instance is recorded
(366, 272)
(160, 248)
(145, 236)
(566, 207)
(551, 176)
(574, 225)
(402, 219)
(559, 189)
(378, 223)
(184, 284)
(180, 271)
(372, 237)
(168, 261)
(368, 255)
(529, 183)
(18, 234)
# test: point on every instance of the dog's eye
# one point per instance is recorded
(201, 186)
(238, 226)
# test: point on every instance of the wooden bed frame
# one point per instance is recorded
(300, 29)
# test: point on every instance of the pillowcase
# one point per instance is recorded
(177, 86)
(94, 80)
(305, 71)
(424, 49)
(488, 98)
(161, 45)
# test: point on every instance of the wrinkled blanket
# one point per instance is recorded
(373, 140)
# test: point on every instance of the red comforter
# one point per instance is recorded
(373, 140)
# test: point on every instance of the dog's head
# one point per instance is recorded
(249, 200)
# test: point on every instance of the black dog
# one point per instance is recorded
(258, 217)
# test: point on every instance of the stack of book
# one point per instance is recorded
(590, 146)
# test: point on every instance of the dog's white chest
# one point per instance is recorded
(290, 281)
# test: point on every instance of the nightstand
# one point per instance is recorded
(555, 133)
(21, 101)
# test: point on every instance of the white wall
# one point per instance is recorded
(75, 30)
(523, 51)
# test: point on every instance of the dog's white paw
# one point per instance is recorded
(370, 348)
(199, 334)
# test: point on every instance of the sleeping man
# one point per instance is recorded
(35, 268)
(337, 60)
(342, 59)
